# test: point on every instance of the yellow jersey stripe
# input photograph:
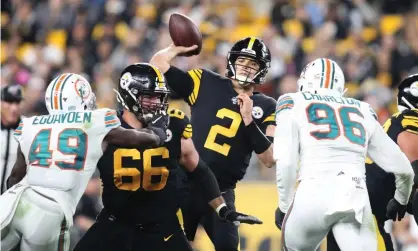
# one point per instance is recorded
(187, 135)
(269, 118)
(196, 85)
(198, 72)
(411, 122)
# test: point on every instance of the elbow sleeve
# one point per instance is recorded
(203, 176)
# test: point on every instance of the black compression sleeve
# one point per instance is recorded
(179, 82)
(258, 140)
(204, 176)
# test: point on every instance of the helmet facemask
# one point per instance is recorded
(252, 75)
(91, 104)
(254, 49)
(150, 104)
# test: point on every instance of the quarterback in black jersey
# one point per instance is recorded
(229, 120)
(140, 184)
(402, 128)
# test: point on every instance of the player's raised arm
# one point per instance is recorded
(286, 155)
(390, 158)
(182, 83)
(185, 35)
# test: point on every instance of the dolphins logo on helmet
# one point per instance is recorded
(69, 92)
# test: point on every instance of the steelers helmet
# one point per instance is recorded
(143, 80)
(408, 93)
(250, 47)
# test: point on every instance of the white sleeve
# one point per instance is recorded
(286, 154)
(109, 119)
(390, 158)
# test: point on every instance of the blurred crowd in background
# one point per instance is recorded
(374, 41)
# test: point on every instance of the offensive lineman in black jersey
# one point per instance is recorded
(402, 128)
(139, 185)
(230, 121)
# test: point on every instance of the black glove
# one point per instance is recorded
(236, 218)
(394, 210)
(279, 217)
(159, 124)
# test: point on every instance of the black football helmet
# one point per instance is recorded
(408, 93)
(250, 47)
(143, 80)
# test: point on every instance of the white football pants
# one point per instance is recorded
(338, 203)
(38, 224)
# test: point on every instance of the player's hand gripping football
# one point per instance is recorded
(159, 124)
(237, 218)
(395, 210)
(246, 108)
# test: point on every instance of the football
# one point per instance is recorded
(184, 32)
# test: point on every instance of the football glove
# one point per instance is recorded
(394, 210)
(279, 217)
(159, 124)
(237, 218)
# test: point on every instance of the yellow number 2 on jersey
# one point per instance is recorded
(227, 132)
(149, 171)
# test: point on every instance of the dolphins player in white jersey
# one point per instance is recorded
(57, 156)
(330, 136)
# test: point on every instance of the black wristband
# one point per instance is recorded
(259, 141)
(224, 212)
(203, 176)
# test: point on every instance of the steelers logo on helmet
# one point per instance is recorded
(125, 80)
(257, 112)
(169, 135)
(414, 89)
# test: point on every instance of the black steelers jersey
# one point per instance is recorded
(139, 184)
(219, 134)
(380, 184)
